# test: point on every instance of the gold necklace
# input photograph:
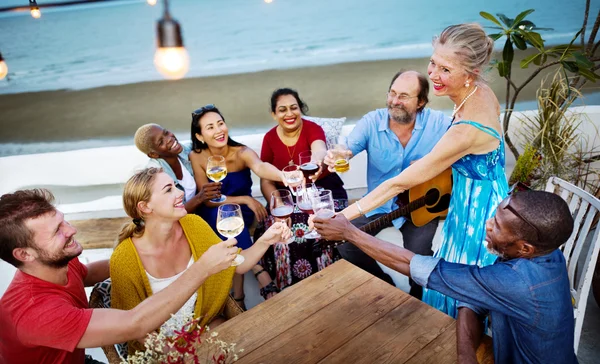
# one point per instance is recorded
(291, 162)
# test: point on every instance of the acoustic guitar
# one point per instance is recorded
(423, 202)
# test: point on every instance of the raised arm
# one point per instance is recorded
(455, 144)
(261, 169)
(111, 326)
(339, 228)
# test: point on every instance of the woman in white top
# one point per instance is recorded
(166, 152)
(160, 243)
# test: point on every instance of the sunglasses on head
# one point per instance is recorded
(203, 110)
(512, 209)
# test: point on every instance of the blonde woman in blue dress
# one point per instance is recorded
(473, 146)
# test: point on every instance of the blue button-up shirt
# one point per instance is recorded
(386, 155)
(528, 300)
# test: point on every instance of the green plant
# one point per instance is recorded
(526, 166)
(554, 132)
(579, 60)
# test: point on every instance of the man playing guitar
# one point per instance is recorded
(394, 137)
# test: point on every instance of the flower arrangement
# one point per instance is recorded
(190, 343)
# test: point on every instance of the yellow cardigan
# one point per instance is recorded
(130, 285)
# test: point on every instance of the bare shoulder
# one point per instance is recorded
(197, 157)
(483, 108)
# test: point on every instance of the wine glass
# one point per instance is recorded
(309, 165)
(323, 206)
(216, 170)
(304, 203)
(230, 224)
(294, 178)
(282, 207)
(340, 157)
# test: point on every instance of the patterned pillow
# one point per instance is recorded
(331, 126)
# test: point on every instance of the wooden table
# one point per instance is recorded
(342, 314)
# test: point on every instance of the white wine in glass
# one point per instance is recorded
(216, 171)
(230, 224)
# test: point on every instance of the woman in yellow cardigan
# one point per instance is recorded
(162, 241)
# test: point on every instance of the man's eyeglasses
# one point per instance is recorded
(402, 97)
(510, 208)
(203, 110)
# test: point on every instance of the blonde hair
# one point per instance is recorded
(137, 189)
(143, 138)
(470, 44)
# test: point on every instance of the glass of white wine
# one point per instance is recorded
(230, 224)
(216, 171)
(294, 177)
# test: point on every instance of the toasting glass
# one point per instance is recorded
(282, 207)
(294, 178)
(230, 224)
(216, 170)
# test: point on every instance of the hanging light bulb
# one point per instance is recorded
(34, 9)
(171, 59)
(268, 1)
(151, 2)
(3, 67)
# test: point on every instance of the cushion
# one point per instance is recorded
(331, 126)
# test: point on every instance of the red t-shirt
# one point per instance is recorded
(278, 154)
(43, 322)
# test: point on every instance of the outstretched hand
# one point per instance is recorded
(277, 233)
(334, 228)
(331, 157)
(219, 256)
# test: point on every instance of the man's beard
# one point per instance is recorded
(494, 251)
(55, 261)
(404, 117)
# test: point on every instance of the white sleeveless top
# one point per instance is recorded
(178, 320)
(188, 183)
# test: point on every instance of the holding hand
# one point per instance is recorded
(278, 232)
(335, 154)
(219, 256)
(334, 228)
(209, 191)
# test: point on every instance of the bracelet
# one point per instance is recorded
(359, 208)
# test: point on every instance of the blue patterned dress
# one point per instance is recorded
(479, 185)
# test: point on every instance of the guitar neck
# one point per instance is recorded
(386, 220)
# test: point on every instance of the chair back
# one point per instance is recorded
(581, 250)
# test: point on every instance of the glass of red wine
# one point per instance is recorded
(309, 165)
(282, 207)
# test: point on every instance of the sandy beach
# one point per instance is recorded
(349, 89)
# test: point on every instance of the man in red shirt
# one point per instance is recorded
(44, 313)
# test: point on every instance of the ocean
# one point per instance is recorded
(94, 45)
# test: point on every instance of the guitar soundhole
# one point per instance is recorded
(443, 204)
(432, 196)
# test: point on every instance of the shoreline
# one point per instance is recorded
(114, 112)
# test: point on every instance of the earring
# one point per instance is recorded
(467, 84)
